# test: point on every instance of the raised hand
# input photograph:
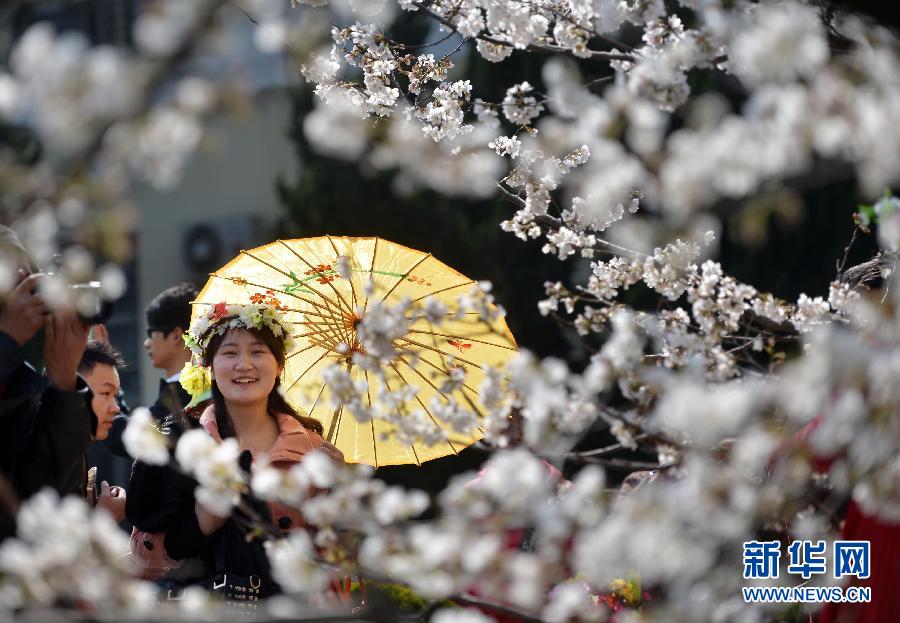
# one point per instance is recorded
(100, 333)
(65, 343)
(23, 313)
(113, 500)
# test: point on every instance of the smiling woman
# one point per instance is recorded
(244, 347)
(246, 365)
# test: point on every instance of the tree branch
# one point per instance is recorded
(477, 603)
(612, 56)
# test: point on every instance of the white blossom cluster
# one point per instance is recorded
(295, 564)
(292, 487)
(464, 548)
(355, 500)
(794, 111)
(143, 440)
(215, 466)
(443, 116)
(64, 553)
(849, 385)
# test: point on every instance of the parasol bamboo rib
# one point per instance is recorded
(323, 332)
(313, 268)
(437, 350)
(449, 314)
(371, 270)
(422, 404)
(424, 378)
(335, 423)
(327, 347)
(338, 414)
(313, 344)
(316, 401)
(321, 262)
(372, 421)
(463, 338)
(307, 285)
(331, 327)
(352, 289)
(311, 366)
(305, 312)
(405, 275)
(439, 369)
(400, 414)
(425, 296)
(471, 404)
(311, 333)
(336, 326)
(330, 321)
(242, 281)
(309, 312)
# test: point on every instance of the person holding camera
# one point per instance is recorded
(45, 418)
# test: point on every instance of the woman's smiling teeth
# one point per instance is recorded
(243, 380)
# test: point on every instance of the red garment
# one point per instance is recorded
(884, 576)
(513, 541)
(884, 554)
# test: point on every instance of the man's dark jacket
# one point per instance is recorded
(45, 432)
(172, 399)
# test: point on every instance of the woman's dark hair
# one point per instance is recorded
(276, 404)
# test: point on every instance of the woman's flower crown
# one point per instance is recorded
(263, 310)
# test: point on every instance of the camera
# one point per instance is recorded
(89, 302)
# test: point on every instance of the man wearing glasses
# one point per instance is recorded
(168, 319)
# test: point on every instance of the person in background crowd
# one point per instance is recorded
(99, 366)
(111, 450)
(168, 319)
(45, 418)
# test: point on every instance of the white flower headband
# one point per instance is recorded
(263, 311)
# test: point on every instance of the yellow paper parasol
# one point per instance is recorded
(325, 308)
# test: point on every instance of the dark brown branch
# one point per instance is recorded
(612, 56)
(867, 272)
(477, 603)
(840, 269)
(587, 454)
(404, 46)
